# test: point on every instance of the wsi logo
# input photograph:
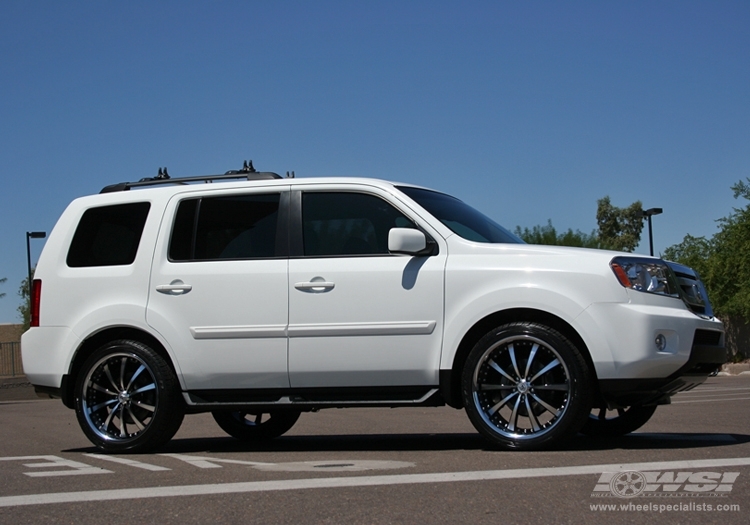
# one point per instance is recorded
(631, 484)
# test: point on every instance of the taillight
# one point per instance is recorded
(36, 299)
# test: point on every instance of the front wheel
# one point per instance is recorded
(127, 398)
(526, 386)
(250, 426)
(618, 422)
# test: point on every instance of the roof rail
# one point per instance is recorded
(247, 173)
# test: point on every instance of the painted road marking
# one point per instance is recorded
(73, 468)
(357, 481)
(714, 400)
(128, 462)
(727, 438)
(202, 462)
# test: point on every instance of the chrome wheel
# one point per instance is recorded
(120, 397)
(527, 385)
(127, 398)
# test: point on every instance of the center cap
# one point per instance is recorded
(523, 387)
(123, 398)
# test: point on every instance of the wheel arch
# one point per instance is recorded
(450, 380)
(96, 341)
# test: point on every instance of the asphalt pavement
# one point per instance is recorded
(382, 466)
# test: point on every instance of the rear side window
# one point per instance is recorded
(233, 227)
(108, 235)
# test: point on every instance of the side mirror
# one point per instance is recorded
(407, 241)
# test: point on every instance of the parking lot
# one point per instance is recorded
(689, 464)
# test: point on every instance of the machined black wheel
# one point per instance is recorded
(526, 386)
(617, 422)
(127, 398)
(256, 425)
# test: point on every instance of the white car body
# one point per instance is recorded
(286, 325)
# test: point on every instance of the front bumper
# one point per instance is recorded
(706, 357)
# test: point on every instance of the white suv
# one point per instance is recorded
(261, 298)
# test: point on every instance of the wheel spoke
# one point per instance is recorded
(553, 364)
(513, 421)
(108, 421)
(497, 368)
(501, 403)
(512, 352)
(123, 426)
(100, 405)
(108, 373)
(150, 408)
(135, 419)
(532, 354)
(102, 389)
(123, 362)
(532, 416)
(546, 405)
(146, 388)
(137, 373)
(487, 387)
(561, 388)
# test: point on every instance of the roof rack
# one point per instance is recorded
(248, 172)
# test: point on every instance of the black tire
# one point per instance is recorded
(612, 423)
(250, 426)
(127, 398)
(526, 386)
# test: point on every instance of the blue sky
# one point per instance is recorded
(527, 110)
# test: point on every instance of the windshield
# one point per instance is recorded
(461, 218)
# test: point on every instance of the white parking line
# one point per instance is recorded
(358, 481)
(128, 462)
(712, 400)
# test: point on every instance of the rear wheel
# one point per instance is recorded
(526, 386)
(612, 423)
(127, 398)
(256, 425)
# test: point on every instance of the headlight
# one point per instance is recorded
(645, 275)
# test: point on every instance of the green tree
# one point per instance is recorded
(25, 307)
(619, 228)
(548, 235)
(729, 263)
(724, 260)
(694, 252)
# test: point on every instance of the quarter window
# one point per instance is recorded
(108, 235)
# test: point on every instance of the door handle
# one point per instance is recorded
(176, 287)
(315, 286)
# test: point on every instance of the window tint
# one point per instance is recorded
(233, 227)
(348, 224)
(108, 235)
(461, 218)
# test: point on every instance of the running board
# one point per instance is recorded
(312, 399)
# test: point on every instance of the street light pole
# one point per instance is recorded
(31, 235)
(649, 213)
